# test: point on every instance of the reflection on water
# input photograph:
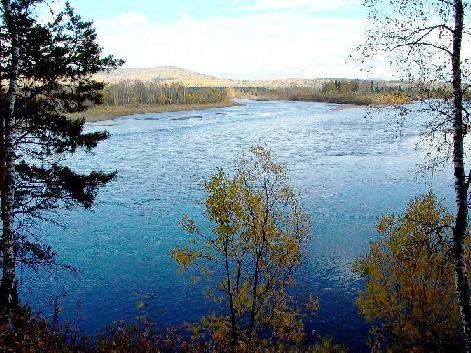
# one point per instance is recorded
(347, 168)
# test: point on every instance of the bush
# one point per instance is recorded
(32, 334)
(410, 295)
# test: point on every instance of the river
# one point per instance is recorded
(348, 168)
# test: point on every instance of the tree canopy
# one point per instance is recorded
(48, 68)
(255, 246)
(409, 295)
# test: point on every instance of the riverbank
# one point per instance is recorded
(360, 99)
(109, 112)
(348, 100)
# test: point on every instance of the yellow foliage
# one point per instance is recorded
(409, 295)
(258, 234)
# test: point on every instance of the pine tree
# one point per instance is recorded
(46, 73)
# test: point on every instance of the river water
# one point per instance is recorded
(349, 168)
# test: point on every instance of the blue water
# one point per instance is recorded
(348, 169)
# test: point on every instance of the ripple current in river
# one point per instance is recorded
(348, 170)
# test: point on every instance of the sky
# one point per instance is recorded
(240, 39)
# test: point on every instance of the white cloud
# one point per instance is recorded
(254, 45)
(47, 10)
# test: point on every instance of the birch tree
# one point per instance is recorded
(252, 254)
(409, 297)
(7, 157)
(423, 40)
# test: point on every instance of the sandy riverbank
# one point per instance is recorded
(101, 113)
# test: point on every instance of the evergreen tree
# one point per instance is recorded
(47, 69)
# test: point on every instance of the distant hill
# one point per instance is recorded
(172, 74)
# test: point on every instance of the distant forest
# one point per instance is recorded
(334, 91)
(153, 93)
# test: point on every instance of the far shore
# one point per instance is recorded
(344, 101)
(108, 112)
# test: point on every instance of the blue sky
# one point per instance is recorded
(167, 11)
(160, 10)
(244, 39)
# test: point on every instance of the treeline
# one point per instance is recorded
(352, 92)
(362, 86)
(139, 92)
(359, 92)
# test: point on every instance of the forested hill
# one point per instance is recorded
(171, 74)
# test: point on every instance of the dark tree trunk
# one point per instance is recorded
(254, 298)
(231, 300)
(8, 288)
(461, 185)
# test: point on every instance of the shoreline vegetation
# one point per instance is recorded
(348, 100)
(110, 112)
(345, 92)
(141, 97)
(137, 97)
(129, 97)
